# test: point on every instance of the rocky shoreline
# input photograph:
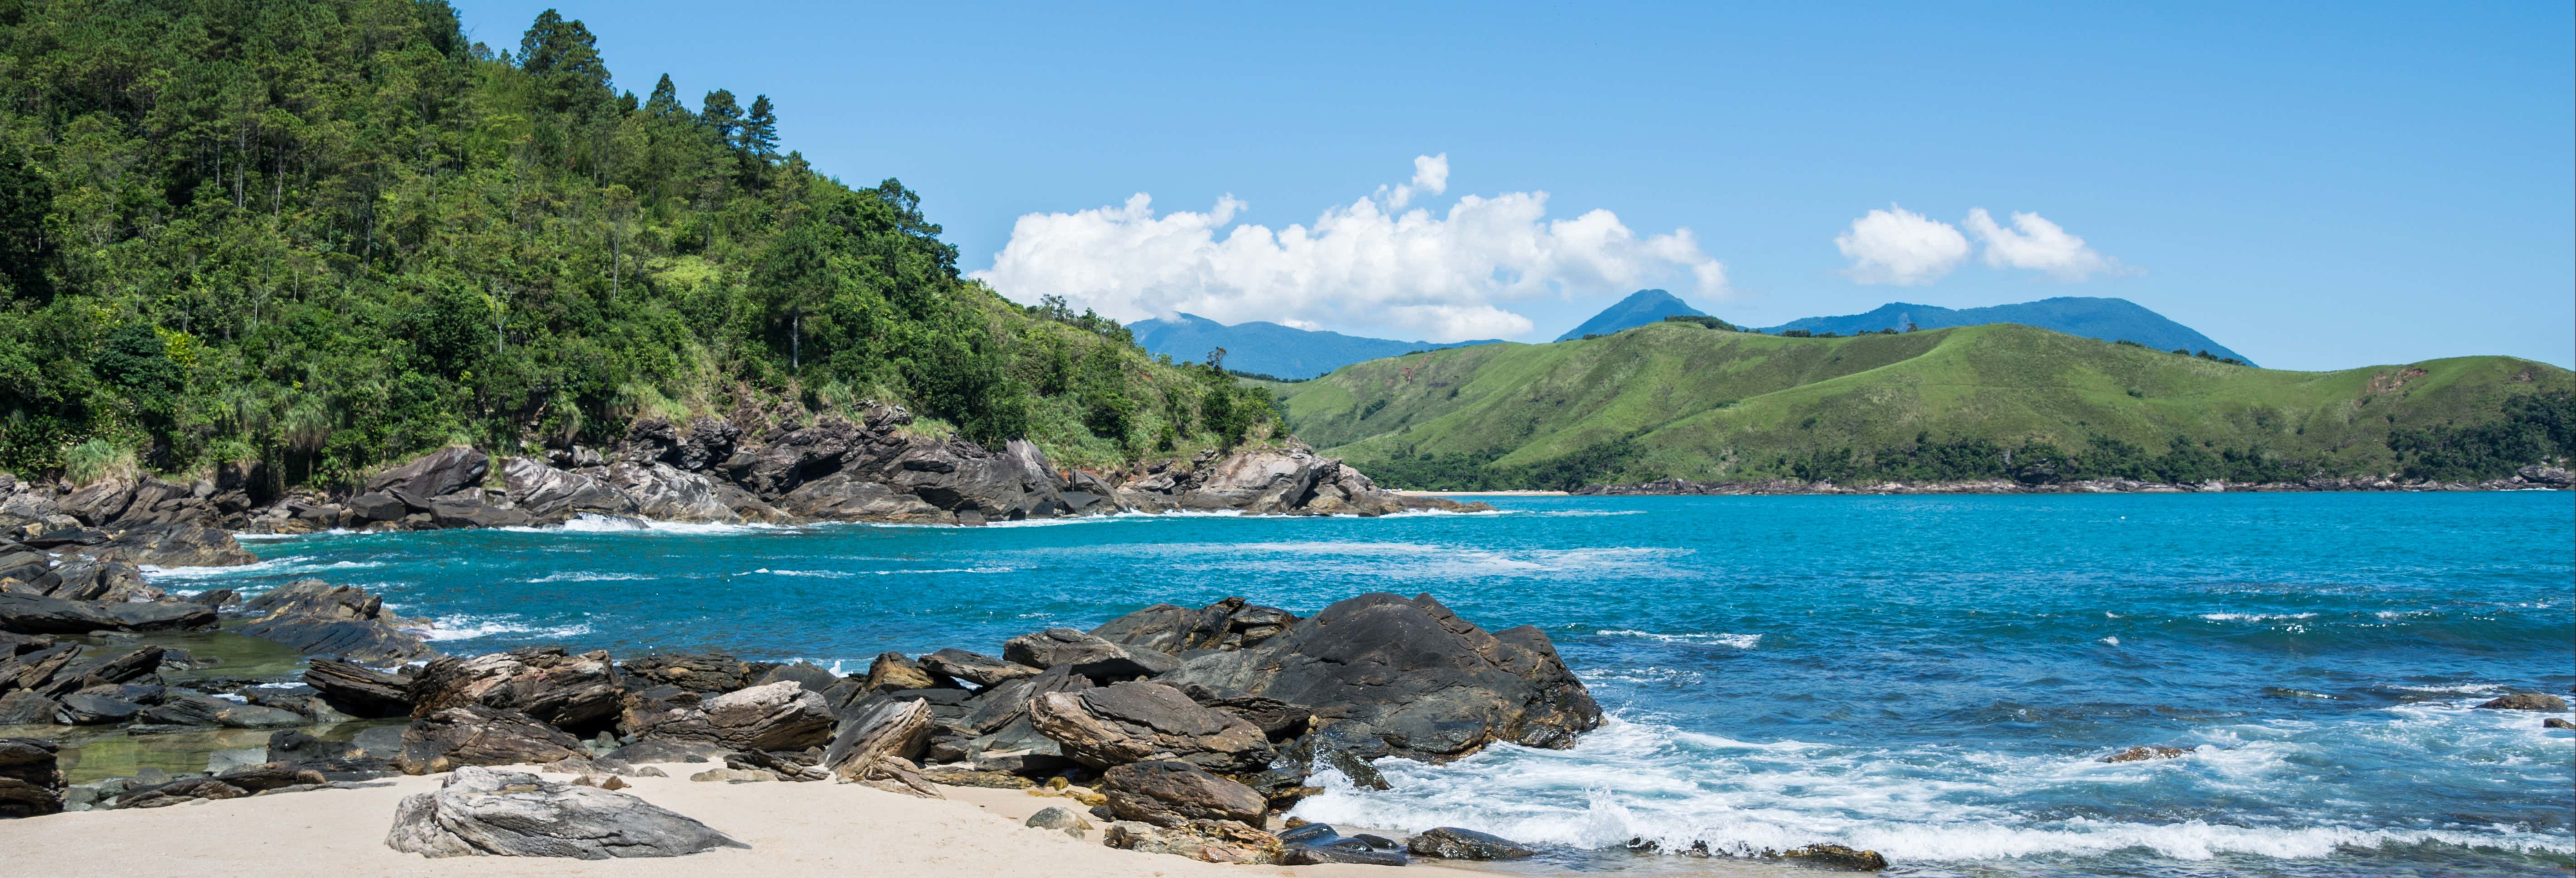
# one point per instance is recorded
(1179, 730)
(712, 471)
(2529, 478)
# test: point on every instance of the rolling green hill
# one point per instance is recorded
(1677, 399)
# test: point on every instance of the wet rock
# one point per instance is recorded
(1167, 793)
(2144, 753)
(981, 670)
(191, 709)
(1410, 678)
(480, 812)
(580, 693)
(1210, 841)
(1143, 720)
(335, 760)
(552, 496)
(30, 614)
(478, 735)
(2526, 701)
(1453, 843)
(2556, 723)
(459, 513)
(358, 691)
(707, 673)
(1837, 857)
(317, 618)
(376, 506)
(777, 716)
(1087, 655)
(31, 782)
(1319, 843)
(95, 707)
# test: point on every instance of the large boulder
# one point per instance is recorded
(548, 683)
(1410, 678)
(976, 668)
(665, 493)
(436, 474)
(1453, 843)
(964, 478)
(1208, 841)
(478, 735)
(846, 496)
(318, 618)
(701, 672)
(1143, 720)
(552, 496)
(31, 783)
(1228, 624)
(777, 716)
(875, 730)
(1086, 655)
(358, 691)
(1166, 793)
(481, 812)
(31, 614)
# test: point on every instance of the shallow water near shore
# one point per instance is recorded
(1935, 678)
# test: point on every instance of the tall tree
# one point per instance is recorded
(759, 137)
(563, 58)
(665, 102)
(722, 116)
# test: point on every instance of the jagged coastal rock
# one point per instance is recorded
(481, 812)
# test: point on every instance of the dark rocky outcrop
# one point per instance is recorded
(30, 614)
(976, 668)
(26, 708)
(876, 730)
(479, 735)
(1410, 678)
(31, 782)
(580, 693)
(318, 618)
(2526, 701)
(1086, 655)
(1166, 793)
(1143, 720)
(1837, 857)
(178, 708)
(2143, 753)
(895, 671)
(706, 673)
(1453, 843)
(436, 474)
(1319, 843)
(550, 495)
(358, 691)
(174, 544)
(777, 716)
(480, 812)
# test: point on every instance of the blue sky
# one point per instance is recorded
(2317, 186)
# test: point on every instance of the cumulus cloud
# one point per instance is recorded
(1370, 264)
(2036, 244)
(1901, 247)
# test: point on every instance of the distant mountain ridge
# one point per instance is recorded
(2105, 319)
(1266, 348)
(1638, 309)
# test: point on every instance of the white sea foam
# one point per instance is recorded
(2256, 617)
(592, 576)
(1739, 641)
(593, 523)
(2109, 641)
(474, 627)
(1405, 560)
(817, 574)
(283, 565)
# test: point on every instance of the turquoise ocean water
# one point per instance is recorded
(1935, 678)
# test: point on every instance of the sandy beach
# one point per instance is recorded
(794, 829)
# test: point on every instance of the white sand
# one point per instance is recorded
(794, 829)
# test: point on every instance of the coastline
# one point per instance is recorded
(2530, 478)
(1408, 493)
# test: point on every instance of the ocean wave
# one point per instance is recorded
(1739, 641)
(290, 564)
(595, 523)
(476, 627)
(592, 576)
(1576, 513)
(2256, 617)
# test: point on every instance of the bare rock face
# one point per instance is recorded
(665, 493)
(844, 496)
(32, 614)
(1087, 655)
(318, 618)
(481, 812)
(976, 668)
(174, 544)
(359, 691)
(1208, 841)
(1229, 624)
(436, 474)
(874, 730)
(1174, 793)
(895, 671)
(478, 735)
(777, 716)
(701, 672)
(547, 683)
(1411, 679)
(551, 495)
(1141, 721)
(31, 783)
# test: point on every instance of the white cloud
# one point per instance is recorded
(2039, 245)
(1366, 265)
(1901, 247)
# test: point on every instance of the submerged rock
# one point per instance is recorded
(2526, 701)
(317, 618)
(2145, 753)
(1453, 843)
(1837, 857)
(480, 812)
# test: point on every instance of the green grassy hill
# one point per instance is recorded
(1681, 400)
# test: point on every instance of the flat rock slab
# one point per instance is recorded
(481, 812)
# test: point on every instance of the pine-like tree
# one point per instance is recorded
(759, 137)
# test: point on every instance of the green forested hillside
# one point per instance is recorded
(330, 233)
(1682, 400)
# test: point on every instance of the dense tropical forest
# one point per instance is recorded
(331, 233)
